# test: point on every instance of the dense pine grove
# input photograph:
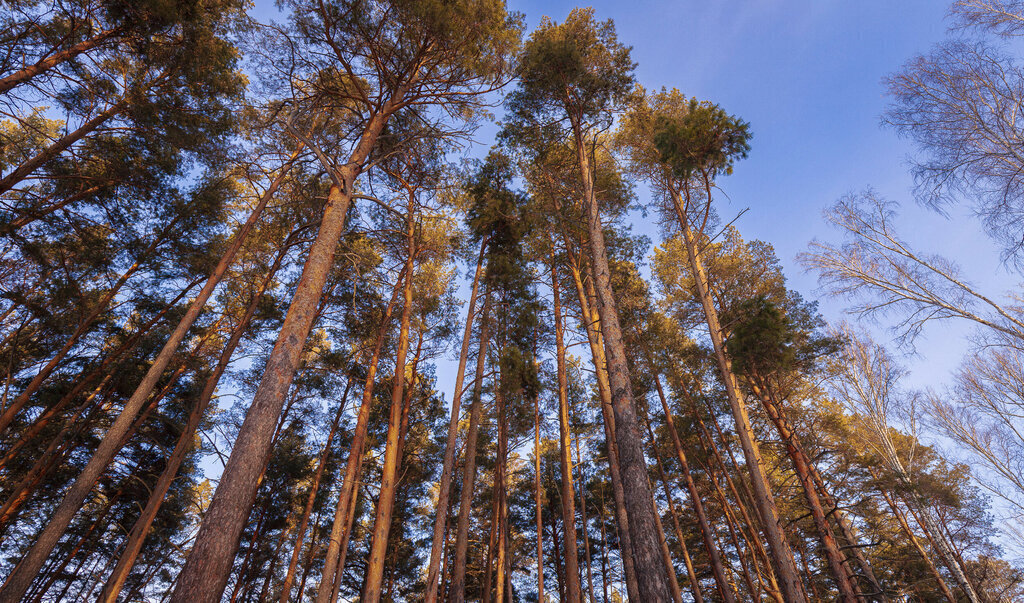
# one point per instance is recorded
(348, 306)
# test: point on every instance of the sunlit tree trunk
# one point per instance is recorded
(717, 567)
(345, 509)
(801, 466)
(651, 574)
(583, 522)
(444, 488)
(392, 451)
(782, 557)
(572, 570)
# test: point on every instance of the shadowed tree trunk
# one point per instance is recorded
(651, 574)
(717, 567)
(592, 326)
(457, 590)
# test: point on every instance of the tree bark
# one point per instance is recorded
(651, 574)
(345, 510)
(389, 474)
(457, 590)
(17, 583)
(782, 557)
(444, 488)
(717, 567)
(592, 326)
(572, 570)
(802, 468)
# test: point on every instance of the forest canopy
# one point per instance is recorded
(360, 300)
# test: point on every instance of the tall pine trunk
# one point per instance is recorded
(782, 556)
(802, 466)
(392, 451)
(457, 590)
(592, 327)
(444, 488)
(651, 574)
(572, 570)
(345, 509)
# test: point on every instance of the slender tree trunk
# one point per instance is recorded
(501, 483)
(537, 497)
(444, 488)
(44, 64)
(559, 574)
(652, 578)
(345, 510)
(782, 556)
(717, 567)
(389, 474)
(604, 556)
(584, 523)
(289, 579)
(698, 596)
(946, 592)
(492, 540)
(572, 570)
(17, 583)
(592, 324)
(457, 590)
(137, 536)
(801, 465)
(60, 145)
